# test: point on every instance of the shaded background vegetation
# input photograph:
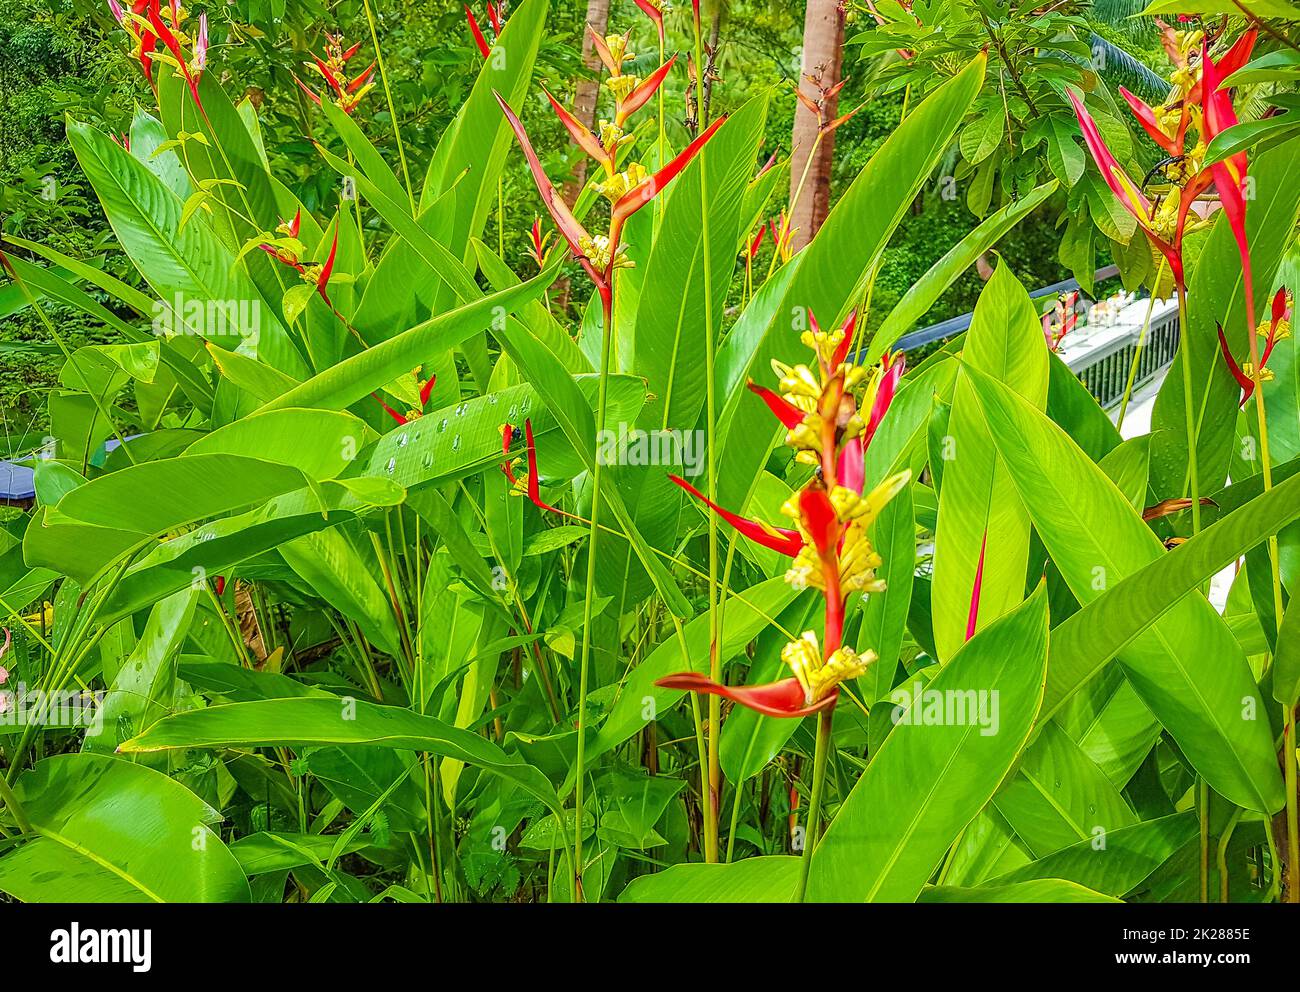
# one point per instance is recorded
(60, 57)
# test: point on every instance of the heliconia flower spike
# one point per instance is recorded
(426, 390)
(1246, 383)
(119, 15)
(884, 395)
(757, 241)
(1173, 144)
(603, 52)
(831, 546)
(570, 229)
(484, 48)
(585, 140)
(654, 11)
(650, 187)
(534, 478)
(779, 699)
(779, 539)
(532, 487)
(786, 412)
(201, 46)
(1129, 194)
(327, 269)
(494, 15)
(640, 96)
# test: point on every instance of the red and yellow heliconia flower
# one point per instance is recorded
(783, 237)
(426, 390)
(628, 189)
(148, 23)
(317, 274)
(333, 68)
(539, 244)
(531, 486)
(1277, 328)
(480, 40)
(1197, 103)
(654, 10)
(828, 544)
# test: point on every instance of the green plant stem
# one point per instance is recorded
(1222, 861)
(820, 756)
(1184, 331)
(1274, 560)
(590, 593)
(1292, 819)
(798, 195)
(10, 801)
(392, 111)
(1137, 354)
(501, 217)
(1192, 467)
(1203, 809)
(711, 840)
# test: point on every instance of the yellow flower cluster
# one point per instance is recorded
(819, 677)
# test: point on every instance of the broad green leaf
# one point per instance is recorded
(194, 274)
(1054, 890)
(753, 880)
(1186, 666)
(1060, 796)
(935, 772)
(310, 722)
(357, 377)
(1116, 862)
(983, 528)
(321, 444)
(1083, 644)
(107, 830)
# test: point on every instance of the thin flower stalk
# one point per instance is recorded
(628, 190)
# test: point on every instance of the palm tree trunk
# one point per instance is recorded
(823, 44)
(584, 99)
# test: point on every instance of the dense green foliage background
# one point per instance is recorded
(66, 56)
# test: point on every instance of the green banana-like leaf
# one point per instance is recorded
(107, 830)
(310, 722)
(931, 777)
(753, 880)
(982, 538)
(1186, 666)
